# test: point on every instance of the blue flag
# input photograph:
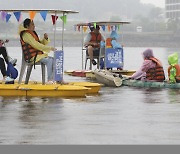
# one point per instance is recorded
(44, 14)
(17, 15)
(8, 16)
(103, 27)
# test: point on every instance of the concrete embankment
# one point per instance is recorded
(129, 39)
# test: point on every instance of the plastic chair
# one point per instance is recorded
(29, 67)
(101, 55)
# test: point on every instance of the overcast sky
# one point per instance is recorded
(33, 3)
(158, 3)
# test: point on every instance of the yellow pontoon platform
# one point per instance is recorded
(90, 73)
(73, 89)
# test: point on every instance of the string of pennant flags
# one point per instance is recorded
(5, 16)
(108, 27)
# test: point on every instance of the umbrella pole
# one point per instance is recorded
(122, 35)
(55, 30)
(62, 32)
(82, 47)
(54, 44)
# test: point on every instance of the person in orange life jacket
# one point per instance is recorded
(174, 68)
(151, 68)
(35, 49)
(5, 58)
(92, 42)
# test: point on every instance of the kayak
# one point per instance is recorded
(150, 84)
(107, 78)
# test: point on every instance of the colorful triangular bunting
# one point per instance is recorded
(85, 28)
(32, 14)
(43, 14)
(95, 25)
(118, 27)
(3, 15)
(79, 28)
(115, 27)
(54, 18)
(17, 15)
(64, 18)
(8, 16)
(103, 27)
(109, 28)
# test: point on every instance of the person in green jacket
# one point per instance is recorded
(174, 68)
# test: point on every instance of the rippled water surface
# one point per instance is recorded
(122, 115)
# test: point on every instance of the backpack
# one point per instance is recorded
(12, 71)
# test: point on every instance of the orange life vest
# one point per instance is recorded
(177, 67)
(108, 43)
(95, 38)
(156, 73)
(28, 50)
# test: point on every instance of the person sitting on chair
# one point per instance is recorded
(92, 42)
(5, 58)
(34, 49)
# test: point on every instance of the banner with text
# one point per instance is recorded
(59, 60)
(114, 58)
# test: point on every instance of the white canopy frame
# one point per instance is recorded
(99, 23)
(53, 11)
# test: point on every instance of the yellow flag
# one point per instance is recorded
(32, 14)
(85, 28)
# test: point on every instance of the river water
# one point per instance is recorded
(123, 115)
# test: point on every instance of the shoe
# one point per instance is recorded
(94, 62)
(8, 80)
(50, 82)
(62, 82)
(12, 61)
(119, 68)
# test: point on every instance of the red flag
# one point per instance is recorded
(54, 18)
(79, 28)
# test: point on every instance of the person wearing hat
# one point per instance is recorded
(92, 42)
(174, 68)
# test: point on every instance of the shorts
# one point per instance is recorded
(95, 52)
